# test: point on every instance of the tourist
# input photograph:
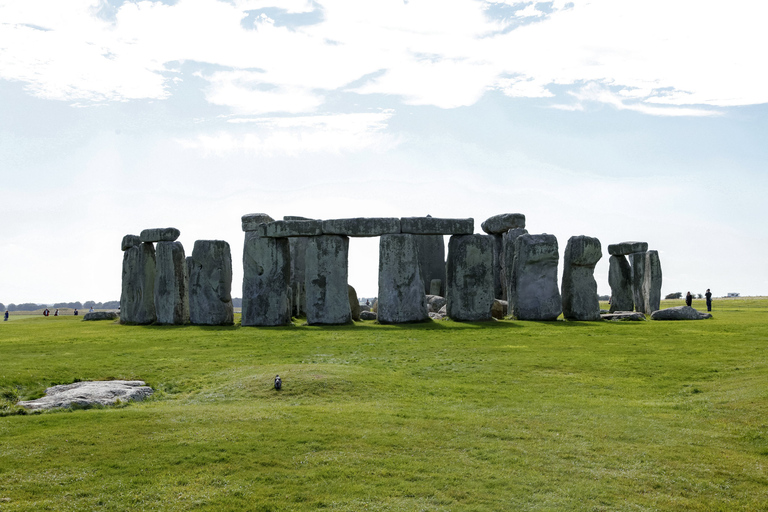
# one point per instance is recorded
(46, 312)
(708, 295)
(688, 299)
(91, 310)
(56, 313)
(75, 311)
(6, 316)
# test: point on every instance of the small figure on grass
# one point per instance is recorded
(278, 383)
(688, 299)
(708, 296)
(6, 316)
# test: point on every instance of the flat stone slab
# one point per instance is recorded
(252, 221)
(367, 315)
(435, 226)
(101, 315)
(500, 224)
(130, 241)
(159, 235)
(625, 248)
(623, 316)
(88, 394)
(362, 226)
(288, 228)
(679, 313)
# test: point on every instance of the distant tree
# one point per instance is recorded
(699, 296)
(27, 306)
(111, 304)
(90, 304)
(237, 302)
(676, 295)
(603, 297)
(2, 306)
(11, 307)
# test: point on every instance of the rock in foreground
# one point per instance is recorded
(679, 313)
(101, 315)
(88, 394)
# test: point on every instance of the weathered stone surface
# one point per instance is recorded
(435, 226)
(326, 280)
(500, 224)
(171, 283)
(401, 290)
(435, 302)
(637, 261)
(375, 305)
(286, 228)
(508, 257)
(89, 394)
(620, 280)
(499, 309)
(652, 282)
(431, 250)
(627, 248)
(361, 226)
(129, 241)
(499, 281)
(159, 235)
(367, 315)
(579, 288)
(623, 316)
(443, 310)
(354, 303)
(679, 313)
(534, 294)
(469, 290)
(210, 283)
(101, 315)
(137, 299)
(436, 287)
(252, 221)
(298, 246)
(266, 281)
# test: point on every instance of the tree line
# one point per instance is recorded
(31, 306)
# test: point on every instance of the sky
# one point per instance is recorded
(621, 120)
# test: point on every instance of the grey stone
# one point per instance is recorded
(171, 283)
(443, 310)
(326, 280)
(375, 305)
(623, 316)
(499, 309)
(101, 315)
(298, 247)
(436, 287)
(679, 313)
(534, 294)
(431, 250)
(579, 290)
(627, 248)
(499, 282)
(637, 261)
(401, 290)
(508, 257)
(469, 290)
(361, 226)
(364, 307)
(652, 282)
(266, 281)
(159, 235)
(435, 303)
(210, 283)
(500, 224)
(435, 226)
(129, 241)
(620, 280)
(89, 394)
(252, 221)
(137, 299)
(296, 217)
(286, 228)
(436, 316)
(354, 303)
(367, 315)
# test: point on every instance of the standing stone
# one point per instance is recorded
(626, 248)
(620, 280)
(499, 283)
(137, 300)
(637, 262)
(129, 241)
(298, 247)
(652, 282)
(431, 254)
(266, 281)
(402, 297)
(534, 294)
(580, 301)
(469, 289)
(508, 257)
(252, 221)
(354, 303)
(326, 280)
(210, 283)
(171, 282)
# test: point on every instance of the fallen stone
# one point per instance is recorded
(637, 261)
(579, 288)
(326, 280)
(129, 241)
(363, 307)
(443, 310)
(171, 282)
(435, 226)
(354, 303)
(401, 290)
(652, 282)
(469, 290)
(210, 283)
(499, 309)
(367, 315)
(159, 235)
(500, 224)
(89, 394)
(436, 316)
(361, 227)
(435, 303)
(620, 281)
(431, 251)
(534, 294)
(287, 228)
(137, 298)
(252, 221)
(679, 313)
(101, 315)
(623, 316)
(627, 248)
(266, 281)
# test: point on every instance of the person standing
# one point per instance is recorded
(6, 316)
(56, 313)
(688, 299)
(708, 296)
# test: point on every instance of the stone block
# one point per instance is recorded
(637, 263)
(171, 282)
(435, 303)
(500, 224)
(137, 299)
(401, 291)
(627, 248)
(326, 262)
(652, 282)
(287, 228)
(620, 280)
(129, 241)
(210, 283)
(354, 303)
(266, 281)
(435, 226)
(436, 287)
(499, 309)
(431, 253)
(101, 315)
(508, 257)
(252, 221)
(361, 226)
(534, 294)
(579, 289)
(159, 235)
(469, 290)
(679, 313)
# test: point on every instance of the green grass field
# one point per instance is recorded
(438, 416)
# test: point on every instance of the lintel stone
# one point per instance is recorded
(288, 228)
(500, 224)
(626, 248)
(251, 221)
(362, 226)
(130, 241)
(436, 226)
(159, 235)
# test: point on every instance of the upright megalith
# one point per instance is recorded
(210, 283)
(497, 226)
(580, 301)
(354, 303)
(252, 221)
(130, 241)
(298, 247)
(533, 290)
(266, 281)
(402, 297)
(431, 254)
(171, 283)
(137, 298)
(637, 261)
(327, 257)
(508, 257)
(620, 280)
(469, 290)
(652, 282)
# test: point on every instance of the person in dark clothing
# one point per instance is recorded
(708, 296)
(688, 299)
(6, 316)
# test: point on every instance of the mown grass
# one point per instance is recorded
(438, 416)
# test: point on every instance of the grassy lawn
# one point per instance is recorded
(438, 416)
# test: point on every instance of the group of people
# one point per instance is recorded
(47, 312)
(707, 296)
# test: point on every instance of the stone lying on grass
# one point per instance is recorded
(619, 316)
(101, 315)
(499, 309)
(367, 315)
(679, 313)
(435, 302)
(89, 394)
